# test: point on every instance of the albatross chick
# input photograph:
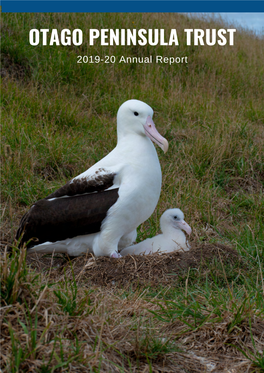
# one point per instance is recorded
(172, 238)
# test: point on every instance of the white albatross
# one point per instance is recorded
(172, 238)
(100, 209)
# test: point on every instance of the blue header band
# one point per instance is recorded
(131, 6)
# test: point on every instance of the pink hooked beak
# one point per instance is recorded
(184, 226)
(153, 134)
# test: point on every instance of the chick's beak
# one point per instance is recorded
(185, 227)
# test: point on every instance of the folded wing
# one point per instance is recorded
(77, 208)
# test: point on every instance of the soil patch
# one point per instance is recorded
(249, 185)
(138, 270)
(51, 172)
(20, 70)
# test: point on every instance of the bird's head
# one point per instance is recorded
(135, 116)
(174, 218)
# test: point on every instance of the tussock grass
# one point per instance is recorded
(56, 116)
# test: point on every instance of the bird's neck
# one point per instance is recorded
(131, 142)
(123, 134)
(172, 232)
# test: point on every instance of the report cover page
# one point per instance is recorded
(132, 231)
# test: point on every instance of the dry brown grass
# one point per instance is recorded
(114, 329)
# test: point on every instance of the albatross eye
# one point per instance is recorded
(175, 217)
(136, 113)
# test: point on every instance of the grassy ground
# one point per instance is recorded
(56, 115)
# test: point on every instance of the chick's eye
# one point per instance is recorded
(175, 217)
(136, 113)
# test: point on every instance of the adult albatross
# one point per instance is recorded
(100, 209)
(172, 238)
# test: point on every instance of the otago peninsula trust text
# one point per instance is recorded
(125, 37)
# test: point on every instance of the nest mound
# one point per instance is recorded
(139, 270)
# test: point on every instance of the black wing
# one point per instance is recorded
(63, 218)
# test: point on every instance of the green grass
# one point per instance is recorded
(56, 115)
